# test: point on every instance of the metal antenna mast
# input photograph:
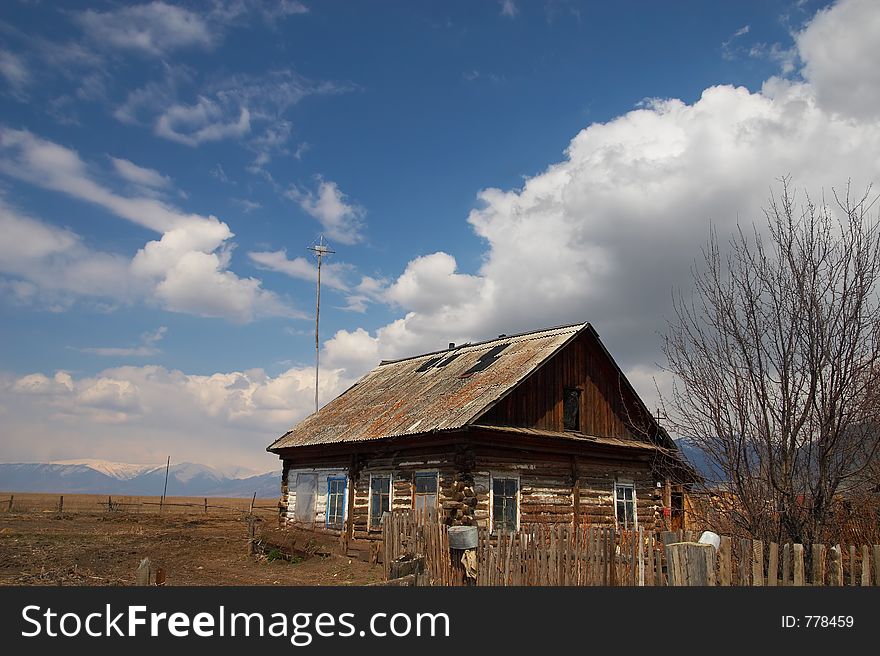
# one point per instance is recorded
(320, 250)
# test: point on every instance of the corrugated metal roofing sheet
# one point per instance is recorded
(396, 399)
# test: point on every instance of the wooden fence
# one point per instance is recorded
(560, 555)
(92, 503)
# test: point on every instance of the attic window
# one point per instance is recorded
(571, 409)
(486, 360)
(428, 364)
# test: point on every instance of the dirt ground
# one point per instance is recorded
(105, 549)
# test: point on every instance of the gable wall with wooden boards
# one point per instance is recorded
(606, 402)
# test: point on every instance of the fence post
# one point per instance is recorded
(691, 564)
(835, 569)
(641, 545)
(109, 503)
(852, 564)
(798, 550)
(142, 576)
(758, 562)
(61, 503)
(11, 498)
(877, 564)
(206, 505)
(724, 560)
(745, 555)
(786, 564)
(866, 566)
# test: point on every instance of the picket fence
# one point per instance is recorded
(563, 555)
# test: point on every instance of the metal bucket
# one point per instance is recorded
(462, 537)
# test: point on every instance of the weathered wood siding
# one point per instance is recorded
(402, 467)
(606, 404)
(547, 488)
(552, 486)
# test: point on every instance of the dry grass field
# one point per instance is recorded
(89, 545)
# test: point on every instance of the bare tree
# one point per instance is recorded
(776, 359)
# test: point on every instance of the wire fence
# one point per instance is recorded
(30, 502)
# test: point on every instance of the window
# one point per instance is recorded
(380, 498)
(306, 487)
(625, 505)
(335, 501)
(425, 496)
(505, 504)
(571, 409)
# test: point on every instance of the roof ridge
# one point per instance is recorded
(500, 338)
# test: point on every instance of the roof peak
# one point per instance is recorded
(500, 338)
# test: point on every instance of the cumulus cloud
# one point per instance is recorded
(232, 413)
(342, 221)
(841, 60)
(185, 270)
(605, 234)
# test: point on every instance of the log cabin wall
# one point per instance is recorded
(582, 364)
(547, 490)
(550, 485)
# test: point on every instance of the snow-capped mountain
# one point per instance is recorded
(103, 477)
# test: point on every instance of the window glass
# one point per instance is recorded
(380, 499)
(625, 505)
(335, 501)
(571, 409)
(425, 496)
(504, 504)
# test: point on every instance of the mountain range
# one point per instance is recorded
(185, 479)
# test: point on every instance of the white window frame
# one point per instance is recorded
(635, 503)
(436, 474)
(390, 477)
(504, 475)
(344, 478)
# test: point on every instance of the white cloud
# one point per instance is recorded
(185, 270)
(226, 417)
(146, 348)
(154, 28)
(14, 70)
(608, 232)
(300, 267)
(205, 121)
(508, 8)
(342, 221)
(249, 108)
(140, 175)
(841, 58)
(430, 284)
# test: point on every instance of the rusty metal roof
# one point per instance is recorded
(430, 392)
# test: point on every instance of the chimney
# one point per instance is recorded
(452, 345)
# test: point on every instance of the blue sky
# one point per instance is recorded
(479, 167)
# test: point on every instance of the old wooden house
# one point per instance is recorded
(536, 427)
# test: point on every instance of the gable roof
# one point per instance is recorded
(439, 391)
